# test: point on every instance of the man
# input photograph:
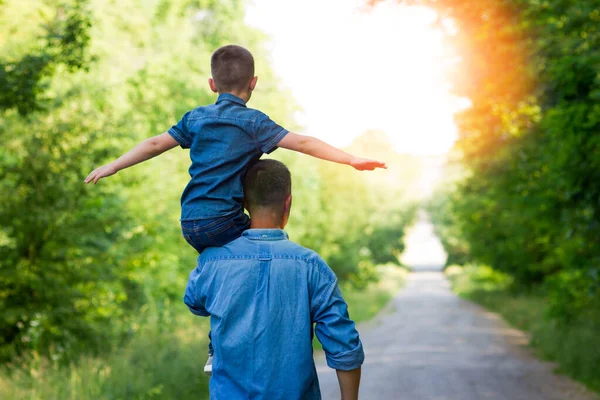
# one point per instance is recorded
(263, 294)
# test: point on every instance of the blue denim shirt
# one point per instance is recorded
(224, 139)
(263, 294)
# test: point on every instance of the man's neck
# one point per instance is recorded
(266, 220)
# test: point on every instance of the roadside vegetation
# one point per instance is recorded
(525, 203)
(573, 346)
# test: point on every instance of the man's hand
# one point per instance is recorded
(365, 164)
(99, 173)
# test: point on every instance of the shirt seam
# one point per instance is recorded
(255, 131)
(199, 268)
(179, 137)
(192, 119)
(325, 293)
(256, 257)
(273, 142)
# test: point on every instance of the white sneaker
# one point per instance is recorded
(208, 366)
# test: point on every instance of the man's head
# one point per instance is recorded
(268, 194)
(232, 70)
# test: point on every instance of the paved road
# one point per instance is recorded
(429, 344)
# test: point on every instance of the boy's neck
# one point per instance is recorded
(242, 95)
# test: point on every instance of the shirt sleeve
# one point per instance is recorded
(334, 328)
(191, 298)
(181, 133)
(267, 133)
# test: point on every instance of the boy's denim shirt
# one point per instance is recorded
(224, 139)
(263, 294)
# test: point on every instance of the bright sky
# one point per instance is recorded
(354, 69)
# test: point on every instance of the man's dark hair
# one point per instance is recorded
(267, 184)
(232, 68)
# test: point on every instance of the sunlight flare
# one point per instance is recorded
(354, 69)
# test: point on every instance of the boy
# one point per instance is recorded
(224, 139)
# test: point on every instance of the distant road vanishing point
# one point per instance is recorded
(428, 344)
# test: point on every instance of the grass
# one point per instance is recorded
(164, 359)
(364, 304)
(575, 346)
(159, 363)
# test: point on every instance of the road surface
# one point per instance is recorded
(429, 344)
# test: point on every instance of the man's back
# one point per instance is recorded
(263, 293)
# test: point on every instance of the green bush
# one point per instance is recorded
(527, 203)
(164, 360)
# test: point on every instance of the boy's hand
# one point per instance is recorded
(102, 172)
(365, 164)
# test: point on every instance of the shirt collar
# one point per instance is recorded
(265, 234)
(230, 97)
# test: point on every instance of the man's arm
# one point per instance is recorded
(349, 382)
(319, 149)
(143, 151)
(335, 330)
(190, 298)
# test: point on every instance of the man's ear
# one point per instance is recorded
(213, 85)
(252, 84)
(287, 205)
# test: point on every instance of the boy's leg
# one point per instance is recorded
(201, 234)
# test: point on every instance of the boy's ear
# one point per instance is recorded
(213, 85)
(253, 83)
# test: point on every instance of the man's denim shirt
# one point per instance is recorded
(224, 139)
(263, 294)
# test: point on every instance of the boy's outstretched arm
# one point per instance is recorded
(144, 151)
(319, 149)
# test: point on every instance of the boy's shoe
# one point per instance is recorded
(208, 366)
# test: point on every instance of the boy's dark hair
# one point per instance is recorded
(267, 184)
(232, 68)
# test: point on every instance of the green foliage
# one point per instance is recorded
(81, 82)
(76, 261)
(365, 303)
(447, 228)
(164, 360)
(528, 205)
(65, 42)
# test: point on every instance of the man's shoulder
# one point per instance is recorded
(287, 249)
(243, 248)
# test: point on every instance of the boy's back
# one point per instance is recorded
(224, 139)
